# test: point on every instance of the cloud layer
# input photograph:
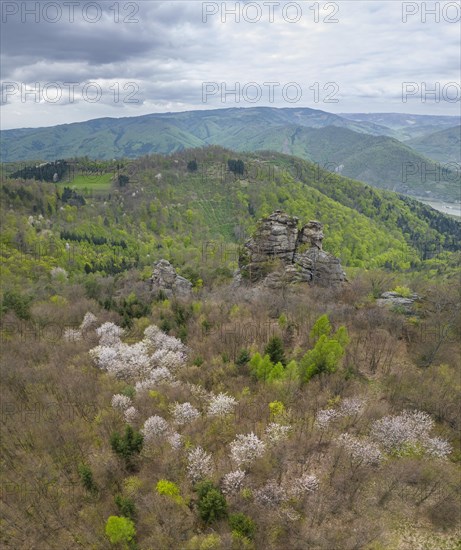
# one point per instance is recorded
(73, 61)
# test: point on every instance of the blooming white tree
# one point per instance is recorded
(109, 334)
(324, 417)
(156, 376)
(104, 356)
(89, 321)
(199, 464)
(221, 404)
(157, 339)
(361, 451)
(133, 361)
(184, 413)
(246, 448)
(131, 415)
(408, 430)
(175, 440)
(121, 402)
(171, 360)
(276, 432)
(437, 447)
(154, 427)
(347, 407)
(232, 482)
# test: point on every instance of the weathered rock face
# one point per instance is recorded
(393, 300)
(280, 253)
(165, 279)
(275, 237)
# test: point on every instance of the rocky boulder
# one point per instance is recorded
(281, 253)
(396, 301)
(165, 279)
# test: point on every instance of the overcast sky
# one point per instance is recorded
(133, 58)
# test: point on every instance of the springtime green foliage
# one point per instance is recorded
(67, 250)
(323, 357)
(403, 291)
(242, 525)
(196, 220)
(169, 489)
(364, 151)
(120, 530)
(327, 352)
(321, 327)
(277, 409)
(211, 503)
(204, 542)
(19, 303)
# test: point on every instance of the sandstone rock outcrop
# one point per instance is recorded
(280, 253)
(165, 279)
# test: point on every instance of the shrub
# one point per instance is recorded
(327, 352)
(18, 303)
(86, 477)
(125, 506)
(192, 166)
(275, 350)
(204, 542)
(128, 445)
(211, 504)
(169, 489)
(403, 291)
(242, 525)
(243, 358)
(120, 530)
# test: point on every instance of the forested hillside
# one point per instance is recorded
(359, 149)
(444, 145)
(238, 417)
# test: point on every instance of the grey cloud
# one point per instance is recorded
(170, 52)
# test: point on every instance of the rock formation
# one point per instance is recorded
(165, 279)
(281, 253)
(396, 301)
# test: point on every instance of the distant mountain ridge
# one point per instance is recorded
(355, 145)
(444, 145)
